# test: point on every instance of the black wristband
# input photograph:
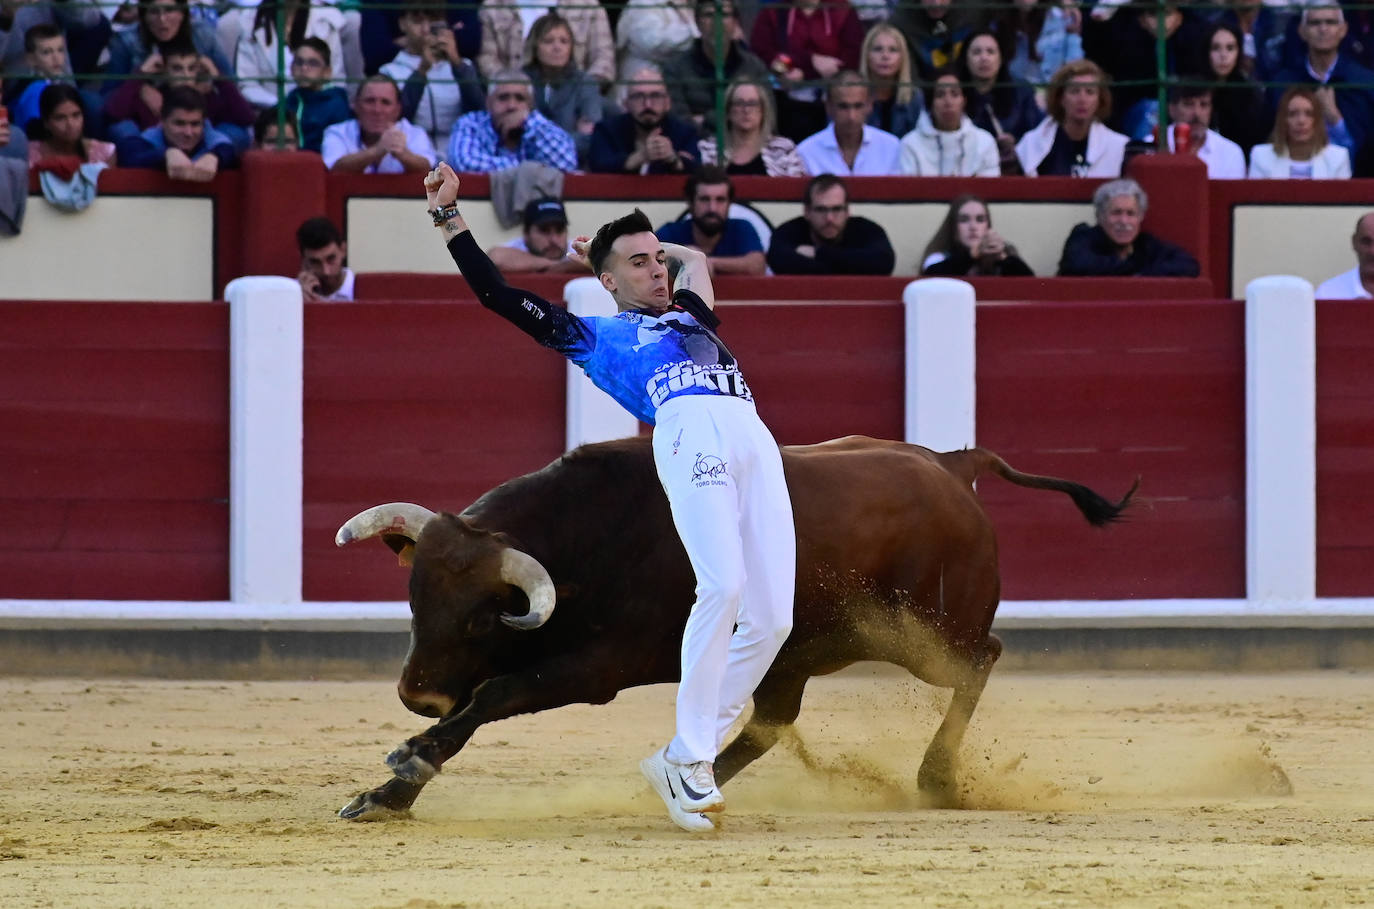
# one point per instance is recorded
(444, 213)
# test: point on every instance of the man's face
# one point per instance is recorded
(1323, 29)
(183, 128)
(49, 57)
(326, 264)
(1196, 112)
(548, 240)
(1363, 243)
(647, 102)
(710, 208)
(378, 108)
(509, 105)
(707, 23)
(308, 69)
(828, 213)
(636, 273)
(182, 69)
(1121, 220)
(849, 106)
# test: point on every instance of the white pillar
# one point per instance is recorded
(940, 363)
(593, 415)
(1280, 440)
(266, 344)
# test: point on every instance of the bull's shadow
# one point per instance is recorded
(569, 585)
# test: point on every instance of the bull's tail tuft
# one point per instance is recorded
(1098, 510)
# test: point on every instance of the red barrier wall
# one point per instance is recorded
(1345, 448)
(1099, 393)
(114, 467)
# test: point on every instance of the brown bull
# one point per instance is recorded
(580, 563)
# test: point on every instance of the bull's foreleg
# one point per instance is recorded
(937, 773)
(393, 797)
(777, 702)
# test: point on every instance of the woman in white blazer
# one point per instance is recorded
(1300, 149)
(1073, 141)
(255, 59)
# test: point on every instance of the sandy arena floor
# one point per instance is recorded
(1091, 790)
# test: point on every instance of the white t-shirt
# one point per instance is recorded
(345, 138)
(1345, 286)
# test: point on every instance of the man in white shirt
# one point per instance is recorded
(848, 146)
(1358, 283)
(323, 275)
(378, 140)
(1192, 104)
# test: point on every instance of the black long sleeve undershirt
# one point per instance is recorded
(526, 310)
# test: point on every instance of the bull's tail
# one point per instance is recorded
(1098, 510)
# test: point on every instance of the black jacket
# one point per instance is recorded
(960, 264)
(613, 141)
(1089, 251)
(863, 249)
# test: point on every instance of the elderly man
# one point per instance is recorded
(826, 240)
(1358, 283)
(509, 132)
(378, 140)
(543, 245)
(732, 245)
(1192, 104)
(1342, 84)
(848, 145)
(646, 139)
(1116, 245)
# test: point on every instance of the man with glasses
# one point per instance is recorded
(646, 139)
(509, 132)
(1342, 85)
(691, 74)
(826, 240)
(848, 145)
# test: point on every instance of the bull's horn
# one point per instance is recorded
(400, 518)
(524, 571)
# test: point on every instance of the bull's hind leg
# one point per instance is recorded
(777, 702)
(936, 777)
(393, 797)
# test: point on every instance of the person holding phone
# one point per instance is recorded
(437, 85)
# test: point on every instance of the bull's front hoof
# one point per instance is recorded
(366, 808)
(414, 769)
(936, 782)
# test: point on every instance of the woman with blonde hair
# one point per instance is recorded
(1300, 148)
(751, 143)
(1073, 141)
(885, 61)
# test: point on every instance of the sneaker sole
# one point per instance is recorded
(691, 821)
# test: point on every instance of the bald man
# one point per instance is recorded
(1359, 281)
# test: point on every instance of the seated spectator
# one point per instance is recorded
(380, 30)
(1342, 86)
(1116, 245)
(276, 131)
(543, 245)
(60, 130)
(1038, 37)
(160, 22)
(256, 56)
(885, 62)
(825, 240)
(438, 85)
(379, 140)
(998, 102)
(1358, 283)
(562, 92)
(805, 44)
(732, 246)
(83, 22)
(1301, 149)
(47, 63)
(691, 75)
(183, 144)
(848, 145)
(509, 132)
(137, 104)
(1262, 31)
(945, 143)
(324, 277)
(936, 30)
(1239, 109)
(506, 23)
(1191, 103)
(650, 32)
(965, 244)
(647, 138)
(314, 103)
(751, 146)
(1072, 141)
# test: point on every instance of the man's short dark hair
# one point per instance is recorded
(40, 32)
(636, 222)
(820, 184)
(710, 175)
(269, 117)
(319, 46)
(179, 47)
(317, 233)
(183, 98)
(380, 79)
(1189, 87)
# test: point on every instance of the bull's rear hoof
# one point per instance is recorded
(364, 808)
(414, 769)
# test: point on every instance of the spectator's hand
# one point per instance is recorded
(441, 187)
(446, 47)
(826, 65)
(4, 132)
(794, 75)
(1330, 110)
(992, 246)
(806, 249)
(310, 286)
(152, 64)
(585, 127)
(151, 97)
(205, 168)
(392, 141)
(658, 147)
(178, 165)
(512, 124)
(1073, 17)
(127, 14)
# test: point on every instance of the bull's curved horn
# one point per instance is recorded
(524, 571)
(400, 518)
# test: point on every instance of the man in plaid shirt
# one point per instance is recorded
(509, 132)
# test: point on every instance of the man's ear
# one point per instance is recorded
(607, 281)
(343, 251)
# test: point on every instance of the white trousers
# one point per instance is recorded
(723, 475)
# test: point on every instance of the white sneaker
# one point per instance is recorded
(661, 775)
(696, 787)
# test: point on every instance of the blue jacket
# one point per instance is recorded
(614, 139)
(149, 148)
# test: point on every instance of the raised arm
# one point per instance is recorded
(690, 271)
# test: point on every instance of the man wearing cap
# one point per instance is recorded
(544, 244)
